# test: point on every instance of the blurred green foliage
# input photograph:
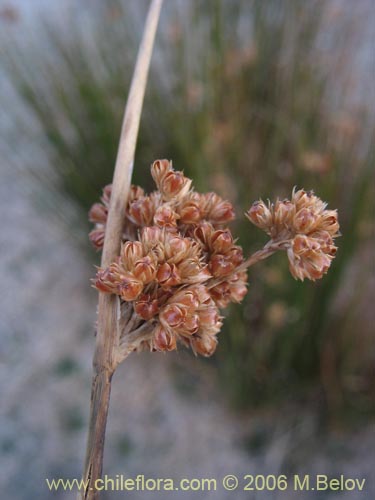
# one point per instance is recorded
(250, 99)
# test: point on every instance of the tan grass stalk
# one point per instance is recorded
(107, 339)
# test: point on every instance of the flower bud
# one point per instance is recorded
(159, 170)
(187, 298)
(151, 236)
(177, 248)
(173, 315)
(301, 198)
(218, 211)
(167, 275)
(190, 213)
(220, 293)
(174, 184)
(235, 255)
(221, 241)
(131, 251)
(98, 213)
(192, 271)
(260, 215)
(238, 290)
(146, 307)
(205, 345)
(311, 264)
(203, 234)
(209, 317)
(106, 196)
(323, 237)
(105, 281)
(284, 212)
(97, 238)
(304, 220)
(302, 244)
(166, 217)
(202, 295)
(164, 340)
(220, 265)
(130, 288)
(144, 270)
(191, 324)
(171, 183)
(141, 211)
(115, 280)
(135, 193)
(328, 222)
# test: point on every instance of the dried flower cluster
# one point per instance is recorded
(174, 242)
(307, 228)
(179, 263)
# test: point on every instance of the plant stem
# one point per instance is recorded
(107, 340)
(262, 254)
(269, 249)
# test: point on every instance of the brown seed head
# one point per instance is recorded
(185, 265)
(306, 228)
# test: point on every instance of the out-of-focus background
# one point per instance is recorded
(249, 98)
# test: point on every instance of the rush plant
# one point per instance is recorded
(179, 266)
(170, 264)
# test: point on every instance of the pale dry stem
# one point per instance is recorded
(269, 249)
(106, 357)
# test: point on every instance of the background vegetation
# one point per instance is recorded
(250, 99)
